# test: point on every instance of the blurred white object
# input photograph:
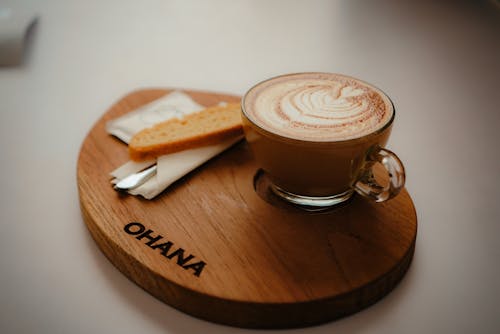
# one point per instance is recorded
(16, 22)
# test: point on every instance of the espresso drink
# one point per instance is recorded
(312, 132)
(318, 107)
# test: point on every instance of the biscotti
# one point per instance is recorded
(207, 127)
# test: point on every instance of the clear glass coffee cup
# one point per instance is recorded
(321, 171)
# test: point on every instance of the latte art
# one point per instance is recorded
(318, 107)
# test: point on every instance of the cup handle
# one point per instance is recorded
(368, 186)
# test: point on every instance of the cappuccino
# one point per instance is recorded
(318, 135)
(318, 107)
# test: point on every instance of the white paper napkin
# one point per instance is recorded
(175, 104)
(170, 167)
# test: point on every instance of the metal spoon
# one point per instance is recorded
(134, 180)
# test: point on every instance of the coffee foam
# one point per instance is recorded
(318, 107)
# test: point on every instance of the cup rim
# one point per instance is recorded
(312, 141)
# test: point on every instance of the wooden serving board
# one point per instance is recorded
(218, 245)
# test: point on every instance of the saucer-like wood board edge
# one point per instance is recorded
(266, 265)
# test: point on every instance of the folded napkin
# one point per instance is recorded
(170, 167)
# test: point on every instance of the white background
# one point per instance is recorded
(439, 62)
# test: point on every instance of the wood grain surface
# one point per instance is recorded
(218, 245)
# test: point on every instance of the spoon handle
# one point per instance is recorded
(134, 180)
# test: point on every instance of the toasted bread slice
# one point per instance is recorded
(209, 126)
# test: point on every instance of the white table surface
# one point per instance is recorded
(438, 61)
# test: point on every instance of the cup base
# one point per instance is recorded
(310, 202)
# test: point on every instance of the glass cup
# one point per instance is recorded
(321, 174)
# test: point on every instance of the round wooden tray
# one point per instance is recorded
(218, 245)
